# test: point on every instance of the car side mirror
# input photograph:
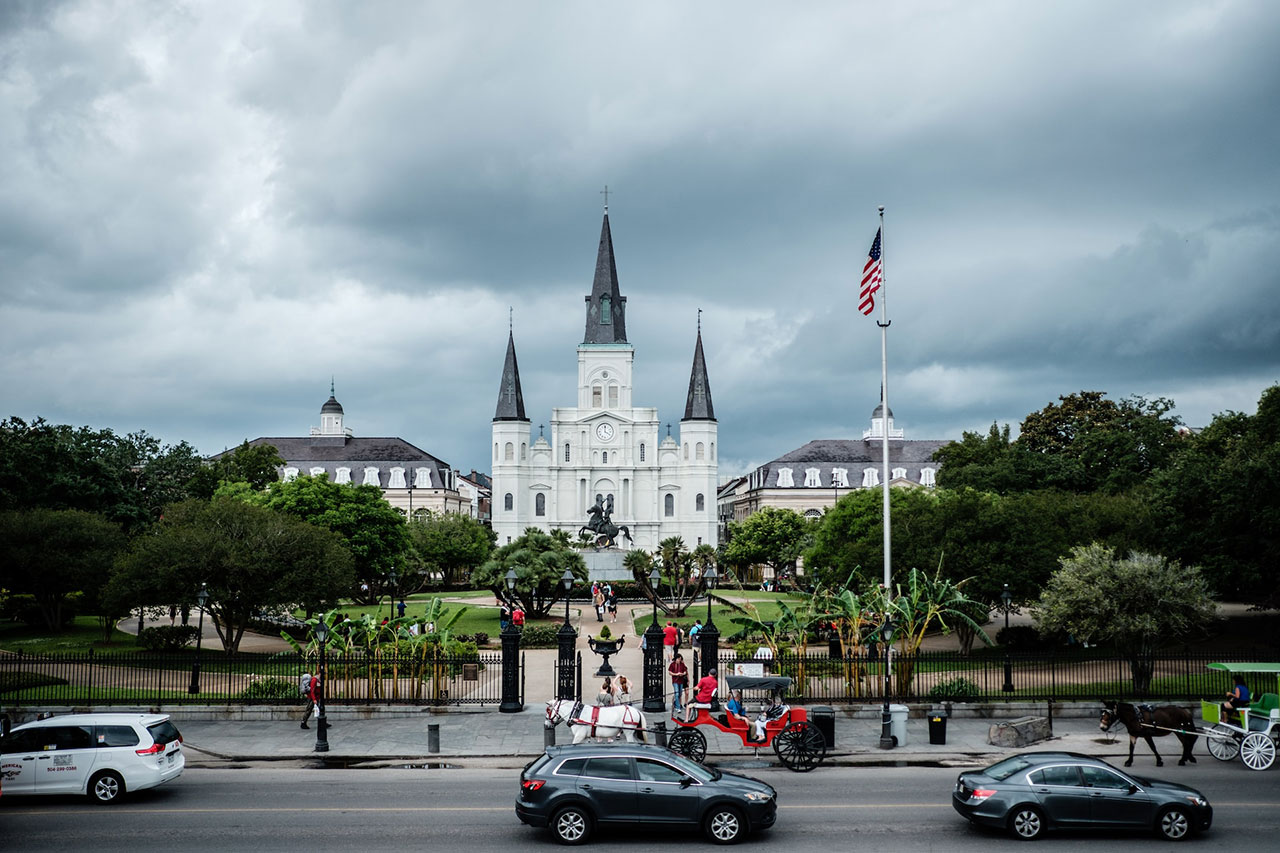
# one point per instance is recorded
(686, 781)
(1133, 789)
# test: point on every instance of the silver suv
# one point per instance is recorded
(101, 755)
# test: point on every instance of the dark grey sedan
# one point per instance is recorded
(572, 789)
(1037, 791)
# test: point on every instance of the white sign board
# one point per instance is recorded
(752, 669)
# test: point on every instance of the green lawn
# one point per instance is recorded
(83, 634)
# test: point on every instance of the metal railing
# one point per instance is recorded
(943, 676)
(166, 678)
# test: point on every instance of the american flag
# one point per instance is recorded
(872, 278)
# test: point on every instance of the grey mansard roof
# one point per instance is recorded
(604, 292)
(851, 454)
(332, 452)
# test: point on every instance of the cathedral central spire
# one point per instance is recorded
(606, 306)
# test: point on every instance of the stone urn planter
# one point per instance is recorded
(605, 644)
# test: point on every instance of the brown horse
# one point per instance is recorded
(1146, 722)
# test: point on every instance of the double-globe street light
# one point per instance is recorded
(1006, 599)
(322, 722)
(201, 597)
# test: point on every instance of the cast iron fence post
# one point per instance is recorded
(654, 699)
(511, 670)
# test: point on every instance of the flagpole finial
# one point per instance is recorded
(881, 208)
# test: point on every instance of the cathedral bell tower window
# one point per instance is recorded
(606, 310)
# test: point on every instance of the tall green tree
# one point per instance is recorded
(540, 560)
(1137, 604)
(772, 537)
(53, 554)
(250, 557)
(451, 544)
(257, 465)
(374, 531)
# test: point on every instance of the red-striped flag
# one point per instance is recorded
(872, 278)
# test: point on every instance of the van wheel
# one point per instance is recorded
(1026, 823)
(571, 825)
(724, 825)
(106, 787)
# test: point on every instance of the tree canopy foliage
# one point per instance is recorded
(250, 557)
(540, 560)
(771, 537)
(449, 544)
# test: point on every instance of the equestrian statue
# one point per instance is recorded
(600, 527)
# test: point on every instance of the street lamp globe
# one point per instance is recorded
(567, 580)
(655, 577)
(710, 575)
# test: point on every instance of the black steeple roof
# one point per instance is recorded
(510, 397)
(697, 405)
(606, 307)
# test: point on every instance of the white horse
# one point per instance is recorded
(597, 721)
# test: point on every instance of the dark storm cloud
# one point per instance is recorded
(210, 209)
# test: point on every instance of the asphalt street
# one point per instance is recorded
(272, 807)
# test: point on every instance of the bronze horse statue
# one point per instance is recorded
(1146, 722)
(600, 528)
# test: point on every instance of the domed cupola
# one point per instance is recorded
(331, 415)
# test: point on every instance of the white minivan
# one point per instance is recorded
(101, 755)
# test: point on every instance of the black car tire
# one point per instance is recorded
(1173, 824)
(1026, 823)
(571, 825)
(106, 787)
(724, 825)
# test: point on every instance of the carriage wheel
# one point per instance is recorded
(800, 747)
(689, 742)
(1257, 751)
(1223, 743)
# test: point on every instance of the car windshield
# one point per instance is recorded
(693, 768)
(1002, 770)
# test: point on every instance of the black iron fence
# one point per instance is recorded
(950, 676)
(159, 679)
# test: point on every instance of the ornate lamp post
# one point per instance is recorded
(201, 597)
(408, 486)
(709, 636)
(566, 640)
(886, 718)
(511, 659)
(322, 722)
(1006, 600)
(653, 692)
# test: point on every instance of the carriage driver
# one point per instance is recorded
(1238, 698)
(705, 692)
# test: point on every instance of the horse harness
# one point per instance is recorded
(576, 717)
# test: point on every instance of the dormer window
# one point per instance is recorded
(316, 472)
(927, 477)
(812, 478)
(840, 478)
(784, 479)
(870, 477)
(371, 476)
(342, 476)
(290, 474)
(899, 473)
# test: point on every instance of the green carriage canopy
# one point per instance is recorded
(1247, 667)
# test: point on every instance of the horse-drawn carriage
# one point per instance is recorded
(1253, 733)
(798, 743)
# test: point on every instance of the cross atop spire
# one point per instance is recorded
(605, 192)
(698, 405)
(510, 397)
(606, 306)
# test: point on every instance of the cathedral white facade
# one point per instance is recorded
(604, 449)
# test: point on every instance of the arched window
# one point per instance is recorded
(524, 451)
(700, 451)
(606, 310)
(713, 450)
(540, 504)
(613, 396)
(566, 451)
(686, 450)
(596, 399)
(508, 502)
(605, 458)
(927, 477)
(495, 451)
(510, 452)
(642, 451)
(669, 506)
(701, 503)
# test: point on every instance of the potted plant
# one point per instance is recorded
(605, 644)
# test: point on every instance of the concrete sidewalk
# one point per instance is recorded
(490, 738)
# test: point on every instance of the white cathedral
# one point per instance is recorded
(605, 450)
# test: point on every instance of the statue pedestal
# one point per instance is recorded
(606, 565)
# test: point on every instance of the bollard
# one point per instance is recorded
(660, 730)
(548, 733)
(433, 737)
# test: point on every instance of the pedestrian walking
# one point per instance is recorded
(669, 637)
(613, 605)
(679, 682)
(315, 695)
(504, 616)
(598, 601)
(400, 609)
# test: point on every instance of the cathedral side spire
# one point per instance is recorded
(606, 306)
(698, 405)
(510, 397)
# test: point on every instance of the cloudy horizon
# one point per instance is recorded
(209, 210)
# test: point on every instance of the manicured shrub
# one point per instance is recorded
(167, 638)
(957, 689)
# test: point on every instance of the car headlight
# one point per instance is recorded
(757, 797)
(1197, 801)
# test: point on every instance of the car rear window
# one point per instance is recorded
(116, 736)
(572, 767)
(1002, 770)
(164, 732)
(1060, 775)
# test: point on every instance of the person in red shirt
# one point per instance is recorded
(517, 617)
(670, 635)
(706, 690)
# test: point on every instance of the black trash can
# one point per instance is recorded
(823, 718)
(937, 727)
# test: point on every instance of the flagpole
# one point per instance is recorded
(884, 404)
(886, 722)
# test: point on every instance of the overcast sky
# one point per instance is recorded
(209, 209)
